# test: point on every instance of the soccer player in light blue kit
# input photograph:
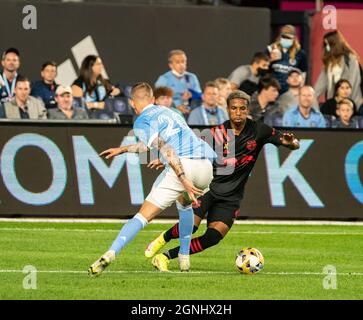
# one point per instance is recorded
(187, 174)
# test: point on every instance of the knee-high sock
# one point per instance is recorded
(128, 232)
(173, 232)
(186, 223)
(209, 239)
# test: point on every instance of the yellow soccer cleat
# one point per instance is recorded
(155, 246)
(161, 262)
(99, 265)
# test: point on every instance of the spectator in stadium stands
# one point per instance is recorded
(263, 102)
(246, 77)
(164, 97)
(224, 89)
(22, 105)
(10, 62)
(342, 90)
(340, 61)
(185, 85)
(91, 85)
(209, 113)
(65, 109)
(345, 119)
(45, 88)
(286, 54)
(291, 97)
(304, 115)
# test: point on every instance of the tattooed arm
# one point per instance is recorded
(174, 162)
(134, 148)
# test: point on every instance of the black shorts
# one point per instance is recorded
(217, 210)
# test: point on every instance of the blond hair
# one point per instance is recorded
(346, 102)
(141, 91)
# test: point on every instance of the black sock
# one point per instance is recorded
(173, 232)
(209, 239)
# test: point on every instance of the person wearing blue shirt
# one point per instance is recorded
(286, 54)
(304, 115)
(185, 84)
(45, 88)
(209, 113)
(187, 174)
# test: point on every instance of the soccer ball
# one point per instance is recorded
(249, 261)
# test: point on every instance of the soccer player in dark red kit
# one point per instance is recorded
(237, 143)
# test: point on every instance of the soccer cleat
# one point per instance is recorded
(184, 262)
(155, 246)
(161, 262)
(98, 266)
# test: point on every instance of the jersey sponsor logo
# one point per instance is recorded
(225, 149)
(251, 145)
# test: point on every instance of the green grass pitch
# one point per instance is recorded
(295, 257)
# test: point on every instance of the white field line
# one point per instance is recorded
(168, 221)
(190, 272)
(160, 230)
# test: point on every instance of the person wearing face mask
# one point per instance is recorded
(185, 85)
(286, 54)
(246, 77)
(340, 61)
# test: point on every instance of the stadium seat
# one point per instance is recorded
(2, 111)
(78, 102)
(274, 120)
(328, 120)
(102, 114)
(127, 90)
(124, 118)
(360, 122)
(195, 103)
(118, 105)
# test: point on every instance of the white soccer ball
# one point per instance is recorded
(249, 261)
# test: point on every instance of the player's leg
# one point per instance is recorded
(173, 233)
(200, 172)
(214, 233)
(152, 206)
(133, 226)
(220, 219)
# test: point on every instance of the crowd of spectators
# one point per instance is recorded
(275, 79)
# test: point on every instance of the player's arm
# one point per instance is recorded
(289, 141)
(276, 137)
(133, 148)
(170, 156)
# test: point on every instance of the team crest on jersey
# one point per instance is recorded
(251, 145)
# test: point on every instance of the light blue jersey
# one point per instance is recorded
(160, 121)
(294, 118)
(189, 82)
